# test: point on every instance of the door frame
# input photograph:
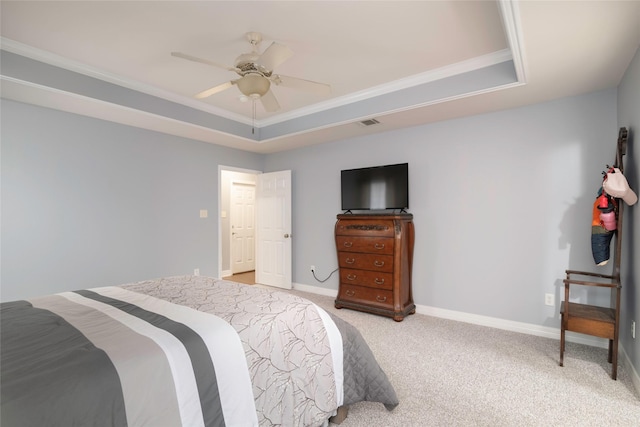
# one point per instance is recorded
(222, 168)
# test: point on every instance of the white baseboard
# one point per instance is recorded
(226, 273)
(315, 290)
(507, 325)
(626, 362)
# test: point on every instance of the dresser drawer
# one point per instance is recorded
(365, 227)
(359, 261)
(370, 279)
(374, 245)
(370, 296)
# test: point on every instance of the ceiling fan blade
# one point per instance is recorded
(306, 85)
(202, 61)
(215, 89)
(274, 55)
(269, 102)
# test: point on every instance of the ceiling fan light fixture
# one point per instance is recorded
(254, 85)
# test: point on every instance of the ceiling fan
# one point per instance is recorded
(256, 71)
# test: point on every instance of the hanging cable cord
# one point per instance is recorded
(327, 278)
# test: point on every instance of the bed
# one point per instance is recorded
(181, 351)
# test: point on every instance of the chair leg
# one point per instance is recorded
(562, 342)
(614, 360)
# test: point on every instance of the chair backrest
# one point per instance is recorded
(621, 150)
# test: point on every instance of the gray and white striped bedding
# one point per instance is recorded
(180, 351)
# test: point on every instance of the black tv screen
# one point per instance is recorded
(379, 187)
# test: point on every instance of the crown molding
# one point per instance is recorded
(510, 13)
(404, 83)
(68, 64)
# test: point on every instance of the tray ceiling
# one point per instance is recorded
(401, 63)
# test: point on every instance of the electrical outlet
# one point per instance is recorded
(633, 329)
(313, 268)
(549, 299)
(196, 272)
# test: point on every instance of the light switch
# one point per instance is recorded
(204, 213)
(223, 214)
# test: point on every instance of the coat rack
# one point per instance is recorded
(603, 322)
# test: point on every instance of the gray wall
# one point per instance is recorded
(91, 203)
(629, 117)
(502, 203)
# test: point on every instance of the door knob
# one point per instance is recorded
(286, 236)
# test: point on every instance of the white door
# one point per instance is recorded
(243, 207)
(273, 229)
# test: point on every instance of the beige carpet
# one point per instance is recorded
(449, 373)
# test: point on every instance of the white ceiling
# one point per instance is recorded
(363, 49)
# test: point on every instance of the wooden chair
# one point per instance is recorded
(603, 322)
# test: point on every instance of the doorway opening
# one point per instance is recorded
(255, 226)
(237, 224)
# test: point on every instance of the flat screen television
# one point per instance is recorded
(375, 188)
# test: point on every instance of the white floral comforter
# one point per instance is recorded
(286, 344)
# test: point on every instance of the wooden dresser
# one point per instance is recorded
(375, 256)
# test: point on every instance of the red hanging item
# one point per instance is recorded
(603, 201)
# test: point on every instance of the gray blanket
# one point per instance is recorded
(364, 379)
(42, 354)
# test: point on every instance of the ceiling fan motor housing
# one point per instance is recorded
(255, 78)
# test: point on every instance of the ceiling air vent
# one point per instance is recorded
(369, 122)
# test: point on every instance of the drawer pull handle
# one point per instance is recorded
(350, 293)
(350, 260)
(378, 263)
(352, 276)
(379, 281)
(381, 299)
(379, 246)
(348, 244)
